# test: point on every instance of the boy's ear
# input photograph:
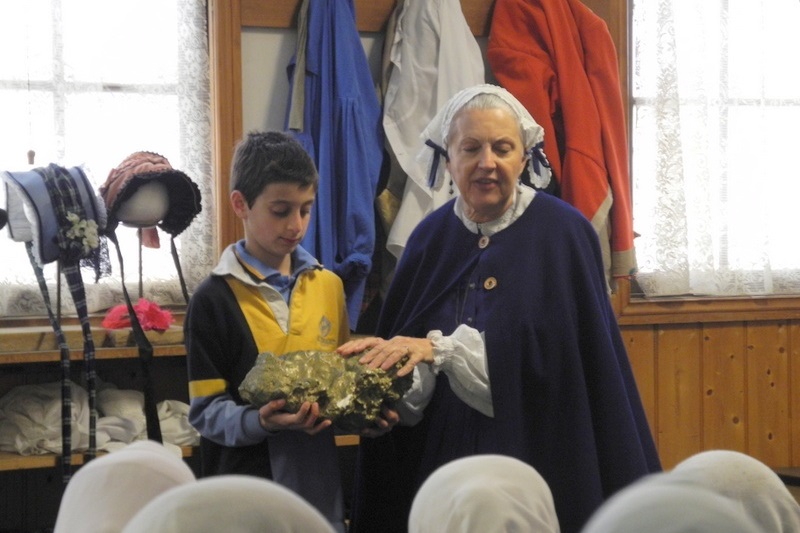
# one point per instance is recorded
(239, 204)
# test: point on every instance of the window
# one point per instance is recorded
(716, 108)
(88, 82)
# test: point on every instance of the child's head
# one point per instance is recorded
(264, 158)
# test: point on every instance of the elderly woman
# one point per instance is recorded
(500, 305)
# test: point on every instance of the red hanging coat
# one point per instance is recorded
(558, 58)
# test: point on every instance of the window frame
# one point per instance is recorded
(60, 86)
(636, 309)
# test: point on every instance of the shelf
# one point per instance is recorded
(13, 461)
(39, 343)
(54, 356)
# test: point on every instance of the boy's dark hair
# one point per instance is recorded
(268, 157)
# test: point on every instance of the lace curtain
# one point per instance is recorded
(716, 91)
(88, 82)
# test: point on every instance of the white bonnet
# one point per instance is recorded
(435, 134)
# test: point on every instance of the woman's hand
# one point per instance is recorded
(386, 353)
(388, 419)
(306, 419)
(355, 346)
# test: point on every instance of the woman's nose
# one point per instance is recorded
(486, 157)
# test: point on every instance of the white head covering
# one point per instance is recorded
(230, 503)
(749, 482)
(107, 491)
(435, 134)
(486, 493)
(657, 504)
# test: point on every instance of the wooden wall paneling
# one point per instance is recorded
(679, 404)
(640, 343)
(768, 392)
(225, 36)
(794, 391)
(724, 404)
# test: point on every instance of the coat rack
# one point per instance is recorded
(371, 15)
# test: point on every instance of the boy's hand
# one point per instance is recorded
(306, 419)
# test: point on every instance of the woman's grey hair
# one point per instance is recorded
(485, 101)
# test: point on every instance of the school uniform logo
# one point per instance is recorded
(325, 327)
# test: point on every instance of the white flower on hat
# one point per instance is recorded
(83, 231)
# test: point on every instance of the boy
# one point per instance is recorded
(267, 294)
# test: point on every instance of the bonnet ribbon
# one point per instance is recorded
(65, 198)
(438, 153)
(538, 160)
(66, 387)
(145, 354)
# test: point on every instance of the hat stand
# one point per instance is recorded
(141, 277)
(143, 344)
(141, 211)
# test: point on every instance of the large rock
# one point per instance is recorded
(348, 393)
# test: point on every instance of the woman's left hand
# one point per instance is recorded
(388, 419)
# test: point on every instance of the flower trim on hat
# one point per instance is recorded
(82, 232)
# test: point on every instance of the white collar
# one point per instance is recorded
(523, 195)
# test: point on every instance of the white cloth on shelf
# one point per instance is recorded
(30, 419)
(175, 427)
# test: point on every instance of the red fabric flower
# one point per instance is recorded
(150, 315)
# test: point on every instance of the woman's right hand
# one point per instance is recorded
(385, 354)
(273, 418)
(355, 346)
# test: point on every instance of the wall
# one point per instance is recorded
(720, 385)
(712, 373)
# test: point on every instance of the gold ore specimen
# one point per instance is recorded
(348, 393)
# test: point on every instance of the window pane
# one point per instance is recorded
(120, 42)
(764, 66)
(715, 182)
(110, 126)
(27, 121)
(27, 54)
